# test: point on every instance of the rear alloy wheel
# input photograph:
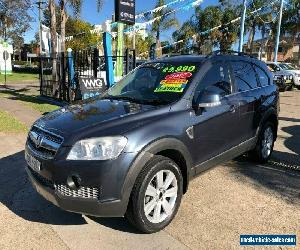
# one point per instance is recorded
(265, 144)
(156, 195)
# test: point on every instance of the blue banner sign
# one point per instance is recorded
(268, 240)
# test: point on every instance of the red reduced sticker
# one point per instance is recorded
(179, 75)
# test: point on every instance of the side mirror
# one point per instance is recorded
(208, 99)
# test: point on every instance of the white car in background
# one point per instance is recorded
(291, 69)
(283, 79)
(287, 68)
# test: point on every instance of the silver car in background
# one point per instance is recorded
(294, 71)
(282, 77)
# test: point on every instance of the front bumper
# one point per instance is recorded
(297, 81)
(107, 177)
(82, 206)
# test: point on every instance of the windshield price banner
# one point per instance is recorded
(176, 79)
(91, 87)
(125, 11)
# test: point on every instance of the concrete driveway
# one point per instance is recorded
(236, 198)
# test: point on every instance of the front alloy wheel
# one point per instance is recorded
(156, 195)
(160, 196)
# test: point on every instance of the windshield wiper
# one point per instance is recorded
(125, 98)
(156, 102)
(144, 101)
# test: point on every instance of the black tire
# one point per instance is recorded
(257, 154)
(135, 212)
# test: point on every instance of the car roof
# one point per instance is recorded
(202, 58)
(181, 58)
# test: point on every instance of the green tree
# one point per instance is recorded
(291, 21)
(228, 33)
(15, 20)
(258, 22)
(206, 19)
(187, 31)
(141, 45)
(76, 6)
(162, 24)
(86, 40)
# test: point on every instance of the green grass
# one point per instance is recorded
(39, 106)
(10, 124)
(19, 77)
(29, 100)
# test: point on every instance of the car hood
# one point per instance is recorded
(95, 115)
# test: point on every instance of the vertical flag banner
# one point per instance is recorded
(120, 59)
(109, 67)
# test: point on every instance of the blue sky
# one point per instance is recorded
(89, 13)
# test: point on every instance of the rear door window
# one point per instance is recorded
(245, 76)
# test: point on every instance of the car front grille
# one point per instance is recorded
(83, 192)
(43, 143)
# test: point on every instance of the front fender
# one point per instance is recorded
(146, 154)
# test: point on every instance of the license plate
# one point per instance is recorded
(32, 162)
(288, 81)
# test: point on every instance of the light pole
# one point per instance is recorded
(278, 32)
(243, 26)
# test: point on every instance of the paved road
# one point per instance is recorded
(236, 198)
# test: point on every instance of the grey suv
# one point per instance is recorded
(133, 151)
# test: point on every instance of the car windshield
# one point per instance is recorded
(286, 66)
(155, 83)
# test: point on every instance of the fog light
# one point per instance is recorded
(73, 182)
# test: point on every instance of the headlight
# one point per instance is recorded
(284, 77)
(103, 148)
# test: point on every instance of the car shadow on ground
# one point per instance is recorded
(293, 142)
(282, 174)
(18, 195)
(282, 182)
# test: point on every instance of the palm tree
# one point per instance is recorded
(228, 33)
(76, 6)
(204, 20)
(291, 21)
(164, 23)
(53, 47)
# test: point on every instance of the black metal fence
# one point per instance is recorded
(54, 72)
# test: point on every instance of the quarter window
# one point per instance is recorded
(262, 76)
(245, 76)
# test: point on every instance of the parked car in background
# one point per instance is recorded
(291, 78)
(134, 150)
(279, 80)
(294, 71)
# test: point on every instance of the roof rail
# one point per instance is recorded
(229, 52)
